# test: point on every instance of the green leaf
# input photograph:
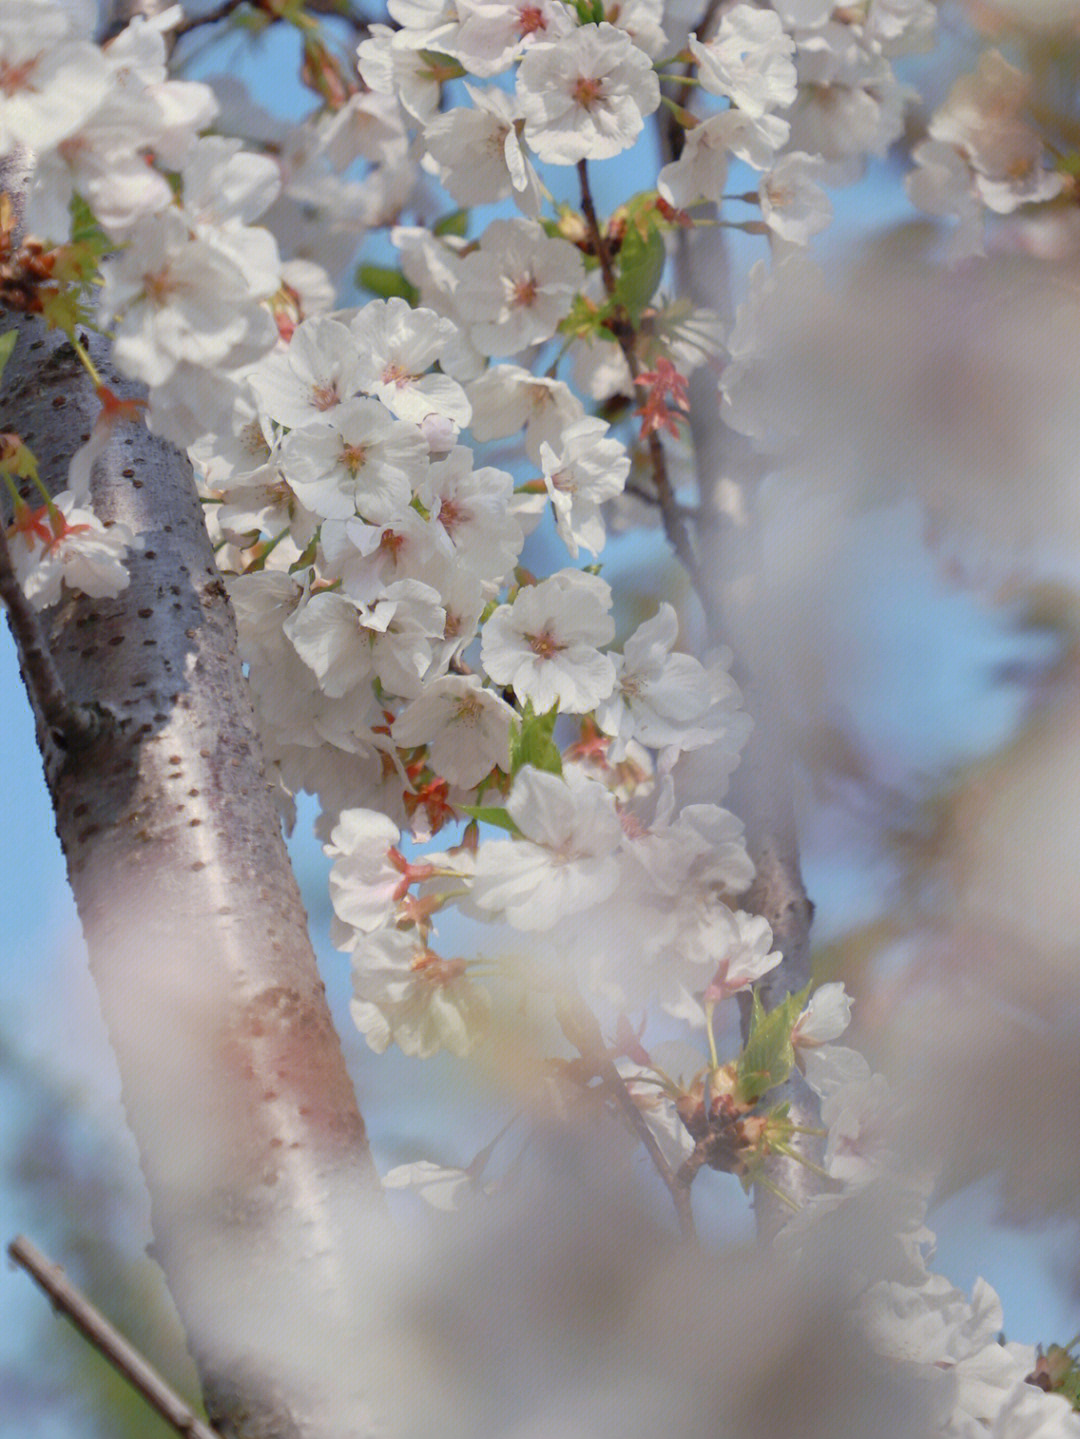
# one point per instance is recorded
(456, 223)
(7, 344)
(641, 267)
(490, 814)
(386, 283)
(531, 741)
(769, 1055)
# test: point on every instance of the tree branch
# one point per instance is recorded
(579, 1025)
(96, 1329)
(670, 509)
(264, 1197)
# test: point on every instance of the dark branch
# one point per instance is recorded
(580, 1027)
(97, 1330)
(670, 509)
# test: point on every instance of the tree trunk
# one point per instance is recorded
(255, 1155)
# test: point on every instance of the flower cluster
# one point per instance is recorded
(407, 666)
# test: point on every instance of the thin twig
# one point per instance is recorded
(73, 724)
(674, 135)
(595, 233)
(95, 1328)
(211, 17)
(670, 510)
(360, 23)
(580, 1027)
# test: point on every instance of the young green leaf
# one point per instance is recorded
(490, 814)
(386, 283)
(769, 1055)
(641, 268)
(531, 741)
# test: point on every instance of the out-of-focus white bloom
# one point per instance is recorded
(985, 118)
(566, 862)
(405, 993)
(849, 103)
(225, 189)
(794, 204)
(585, 97)
(942, 184)
(858, 1115)
(826, 1016)
(51, 78)
(175, 297)
(439, 1185)
(545, 644)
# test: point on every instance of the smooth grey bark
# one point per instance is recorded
(255, 1155)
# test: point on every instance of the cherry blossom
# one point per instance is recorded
(794, 204)
(588, 470)
(175, 297)
(585, 96)
(404, 993)
(545, 645)
(480, 155)
(471, 511)
(660, 698)
(51, 77)
(466, 728)
(749, 61)
(68, 545)
(826, 1016)
(361, 460)
(493, 32)
(364, 881)
(396, 347)
(566, 861)
(516, 288)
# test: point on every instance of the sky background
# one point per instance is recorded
(934, 677)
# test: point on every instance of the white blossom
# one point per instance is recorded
(587, 469)
(69, 547)
(396, 347)
(360, 460)
(566, 861)
(466, 728)
(749, 61)
(517, 286)
(585, 97)
(404, 993)
(545, 644)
